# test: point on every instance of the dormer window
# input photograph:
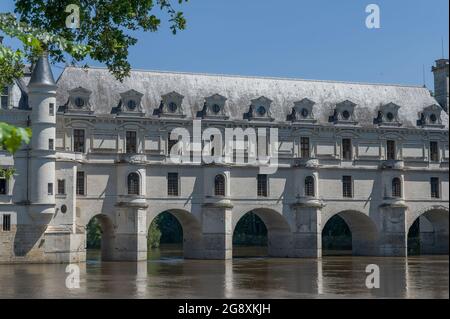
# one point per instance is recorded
(388, 115)
(215, 107)
(260, 109)
(431, 117)
(131, 105)
(79, 100)
(302, 111)
(130, 102)
(344, 113)
(172, 105)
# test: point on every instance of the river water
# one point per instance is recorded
(167, 275)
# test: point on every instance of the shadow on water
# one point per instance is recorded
(166, 252)
(245, 251)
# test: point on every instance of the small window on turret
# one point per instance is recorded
(4, 97)
(50, 188)
(61, 187)
(51, 144)
(51, 109)
(3, 185)
(6, 226)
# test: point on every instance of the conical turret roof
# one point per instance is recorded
(42, 73)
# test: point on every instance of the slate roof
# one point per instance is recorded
(42, 73)
(240, 91)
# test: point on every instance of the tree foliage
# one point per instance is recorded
(105, 27)
(154, 236)
(12, 137)
(103, 35)
(93, 234)
(250, 231)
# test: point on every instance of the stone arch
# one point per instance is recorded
(279, 235)
(107, 237)
(365, 233)
(192, 232)
(433, 229)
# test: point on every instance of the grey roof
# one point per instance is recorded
(42, 73)
(240, 91)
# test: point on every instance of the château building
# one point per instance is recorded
(376, 155)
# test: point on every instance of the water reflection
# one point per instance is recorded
(168, 275)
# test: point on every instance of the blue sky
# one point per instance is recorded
(314, 39)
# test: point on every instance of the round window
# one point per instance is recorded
(173, 107)
(390, 117)
(63, 209)
(79, 102)
(131, 104)
(305, 113)
(216, 108)
(346, 115)
(433, 118)
(261, 110)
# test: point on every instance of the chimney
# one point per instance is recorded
(441, 83)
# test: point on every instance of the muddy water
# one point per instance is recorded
(167, 275)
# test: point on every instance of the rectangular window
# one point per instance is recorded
(262, 185)
(51, 109)
(131, 142)
(61, 187)
(6, 223)
(51, 144)
(304, 147)
(80, 183)
(391, 150)
(347, 149)
(3, 186)
(4, 96)
(50, 188)
(434, 151)
(78, 140)
(172, 184)
(435, 188)
(347, 187)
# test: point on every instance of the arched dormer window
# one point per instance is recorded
(219, 185)
(309, 186)
(396, 187)
(133, 184)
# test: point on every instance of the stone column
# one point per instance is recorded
(130, 240)
(217, 230)
(307, 235)
(393, 232)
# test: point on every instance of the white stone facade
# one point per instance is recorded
(50, 226)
